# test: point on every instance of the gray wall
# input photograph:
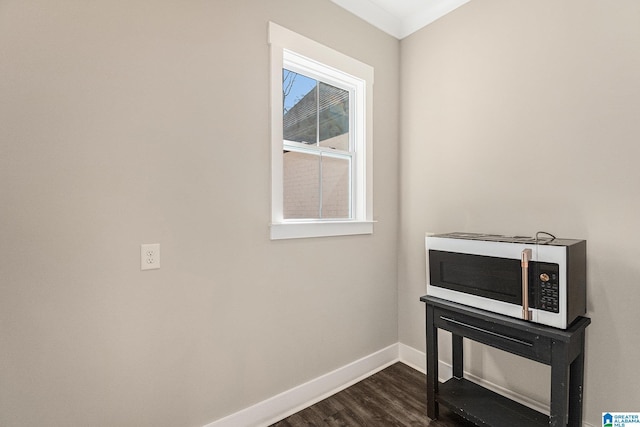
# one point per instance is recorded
(524, 116)
(139, 121)
(143, 121)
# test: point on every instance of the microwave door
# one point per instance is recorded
(494, 278)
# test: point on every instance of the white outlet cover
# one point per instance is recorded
(149, 256)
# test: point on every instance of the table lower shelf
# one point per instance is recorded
(484, 407)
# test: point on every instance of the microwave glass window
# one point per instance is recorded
(495, 278)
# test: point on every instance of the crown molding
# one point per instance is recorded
(432, 11)
(374, 15)
(395, 22)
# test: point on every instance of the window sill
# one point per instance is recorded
(299, 230)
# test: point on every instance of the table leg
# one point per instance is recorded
(432, 366)
(576, 380)
(559, 384)
(457, 356)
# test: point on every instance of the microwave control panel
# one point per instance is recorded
(546, 293)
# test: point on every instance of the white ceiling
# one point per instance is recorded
(400, 17)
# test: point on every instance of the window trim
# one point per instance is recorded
(290, 47)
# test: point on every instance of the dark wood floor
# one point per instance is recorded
(395, 396)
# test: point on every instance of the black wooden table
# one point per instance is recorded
(562, 349)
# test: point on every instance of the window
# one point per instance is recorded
(321, 139)
(317, 148)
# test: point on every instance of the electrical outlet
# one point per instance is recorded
(149, 256)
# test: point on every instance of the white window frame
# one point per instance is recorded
(300, 54)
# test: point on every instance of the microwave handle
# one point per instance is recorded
(526, 257)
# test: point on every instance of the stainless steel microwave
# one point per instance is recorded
(542, 280)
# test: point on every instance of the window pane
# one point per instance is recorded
(300, 107)
(334, 117)
(335, 187)
(301, 190)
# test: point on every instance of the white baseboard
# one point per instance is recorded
(291, 401)
(412, 357)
